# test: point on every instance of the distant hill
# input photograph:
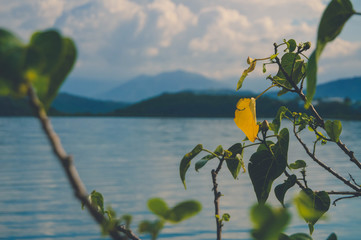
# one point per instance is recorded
(189, 104)
(68, 103)
(64, 104)
(144, 87)
(342, 88)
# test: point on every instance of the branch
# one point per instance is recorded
(127, 232)
(327, 168)
(338, 199)
(217, 195)
(66, 161)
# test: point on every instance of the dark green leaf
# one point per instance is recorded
(158, 207)
(276, 123)
(183, 211)
(312, 205)
(186, 161)
(234, 163)
(203, 161)
(219, 150)
(280, 190)
(292, 45)
(333, 19)
(268, 223)
(332, 237)
(300, 236)
(262, 146)
(298, 164)
(265, 166)
(333, 129)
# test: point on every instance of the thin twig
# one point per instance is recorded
(338, 199)
(127, 232)
(297, 181)
(327, 168)
(217, 195)
(66, 161)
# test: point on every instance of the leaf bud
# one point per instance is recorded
(249, 60)
(306, 45)
(264, 126)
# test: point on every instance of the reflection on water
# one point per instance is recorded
(132, 159)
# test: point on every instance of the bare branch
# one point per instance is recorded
(217, 195)
(66, 161)
(327, 168)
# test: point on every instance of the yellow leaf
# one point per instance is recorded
(245, 117)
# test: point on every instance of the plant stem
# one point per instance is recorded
(66, 161)
(217, 195)
(313, 157)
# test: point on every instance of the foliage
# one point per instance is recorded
(46, 60)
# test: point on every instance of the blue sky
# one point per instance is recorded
(120, 39)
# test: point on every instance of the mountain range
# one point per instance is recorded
(144, 97)
(144, 87)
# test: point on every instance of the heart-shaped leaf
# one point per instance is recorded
(312, 205)
(235, 163)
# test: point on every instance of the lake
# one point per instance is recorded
(130, 160)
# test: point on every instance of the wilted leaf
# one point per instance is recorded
(245, 117)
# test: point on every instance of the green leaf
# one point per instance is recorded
(151, 227)
(290, 63)
(158, 206)
(44, 63)
(333, 129)
(12, 54)
(186, 161)
(300, 236)
(203, 161)
(235, 163)
(264, 70)
(332, 237)
(298, 164)
(268, 223)
(292, 45)
(265, 166)
(183, 211)
(219, 150)
(97, 201)
(226, 217)
(59, 56)
(273, 56)
(312, 205)
(280, 190)
(276, 123)
(333, 19)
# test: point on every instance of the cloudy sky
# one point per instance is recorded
(119, 39)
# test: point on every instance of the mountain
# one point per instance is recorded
(64, 104)
(342, 88)
(143, 87)
(189, 104)
(72, 104)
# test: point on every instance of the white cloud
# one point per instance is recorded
(340, 48)
(212, 37)
(172, 20)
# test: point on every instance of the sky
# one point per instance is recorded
(121, 39)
